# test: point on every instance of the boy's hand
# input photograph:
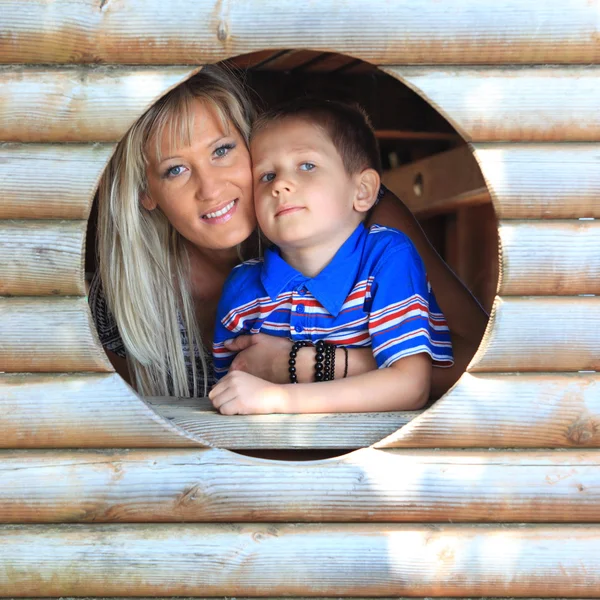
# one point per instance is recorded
(240, 393)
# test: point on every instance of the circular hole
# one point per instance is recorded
(415, 142)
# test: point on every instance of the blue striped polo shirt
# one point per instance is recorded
(374, 292)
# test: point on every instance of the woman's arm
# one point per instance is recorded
(266, 356)
(466, 318)
(120, 365)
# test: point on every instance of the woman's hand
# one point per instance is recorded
(267, 357)
(264, 356)
(239, 393)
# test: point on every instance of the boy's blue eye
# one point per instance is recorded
(267, 177)
(223, 150)
(307, 166)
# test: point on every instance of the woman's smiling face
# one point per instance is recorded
(204, 189)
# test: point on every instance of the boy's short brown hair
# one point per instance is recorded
(347, 126)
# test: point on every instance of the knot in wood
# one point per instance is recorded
(222, 31)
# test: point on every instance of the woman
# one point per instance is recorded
(176, 215)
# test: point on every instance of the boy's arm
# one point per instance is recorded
(402, 386)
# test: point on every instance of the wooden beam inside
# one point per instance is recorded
(439, 184)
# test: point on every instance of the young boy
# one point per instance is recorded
(316, 173)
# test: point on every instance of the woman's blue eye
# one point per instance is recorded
(307, 166)
(174, 171)
(267, 177)
(223, 150)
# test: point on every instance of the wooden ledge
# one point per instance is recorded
(278, 432)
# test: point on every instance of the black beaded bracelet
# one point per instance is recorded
(345, 362)
(332, 371)
(324, 361)
(292, 361)
(320, 349)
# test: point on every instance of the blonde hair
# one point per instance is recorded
(144, 263)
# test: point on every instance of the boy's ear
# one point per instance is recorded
(147, 202)
(368, 188)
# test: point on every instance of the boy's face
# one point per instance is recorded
(302, 193)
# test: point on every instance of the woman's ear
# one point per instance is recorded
(368, 188)
(147, 202)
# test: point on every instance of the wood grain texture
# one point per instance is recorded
(81, 104)
(512, 104)
(542, 181)
(338, 430)
(537, 333)
(300, 559)
(49, 335)
(509, 411)
(550, 257)
(54, 181)
(381, 32)
(39, 258)
(216, 485)
(80, 411)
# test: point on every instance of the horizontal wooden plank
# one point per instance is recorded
(100, 411)
(300, 559)
(83, 104)
(38, 258)
(49, 335)
(80, 411)
(140, 32)
(542, 181)
(509, 411)
(426, 188)
(337, 430)
(99, 103)
(54, 181)
(216, 485)
(297, 598)
(550, 257)
(537, 333)
(512, 104)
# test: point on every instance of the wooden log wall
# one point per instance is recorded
(96, 483)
